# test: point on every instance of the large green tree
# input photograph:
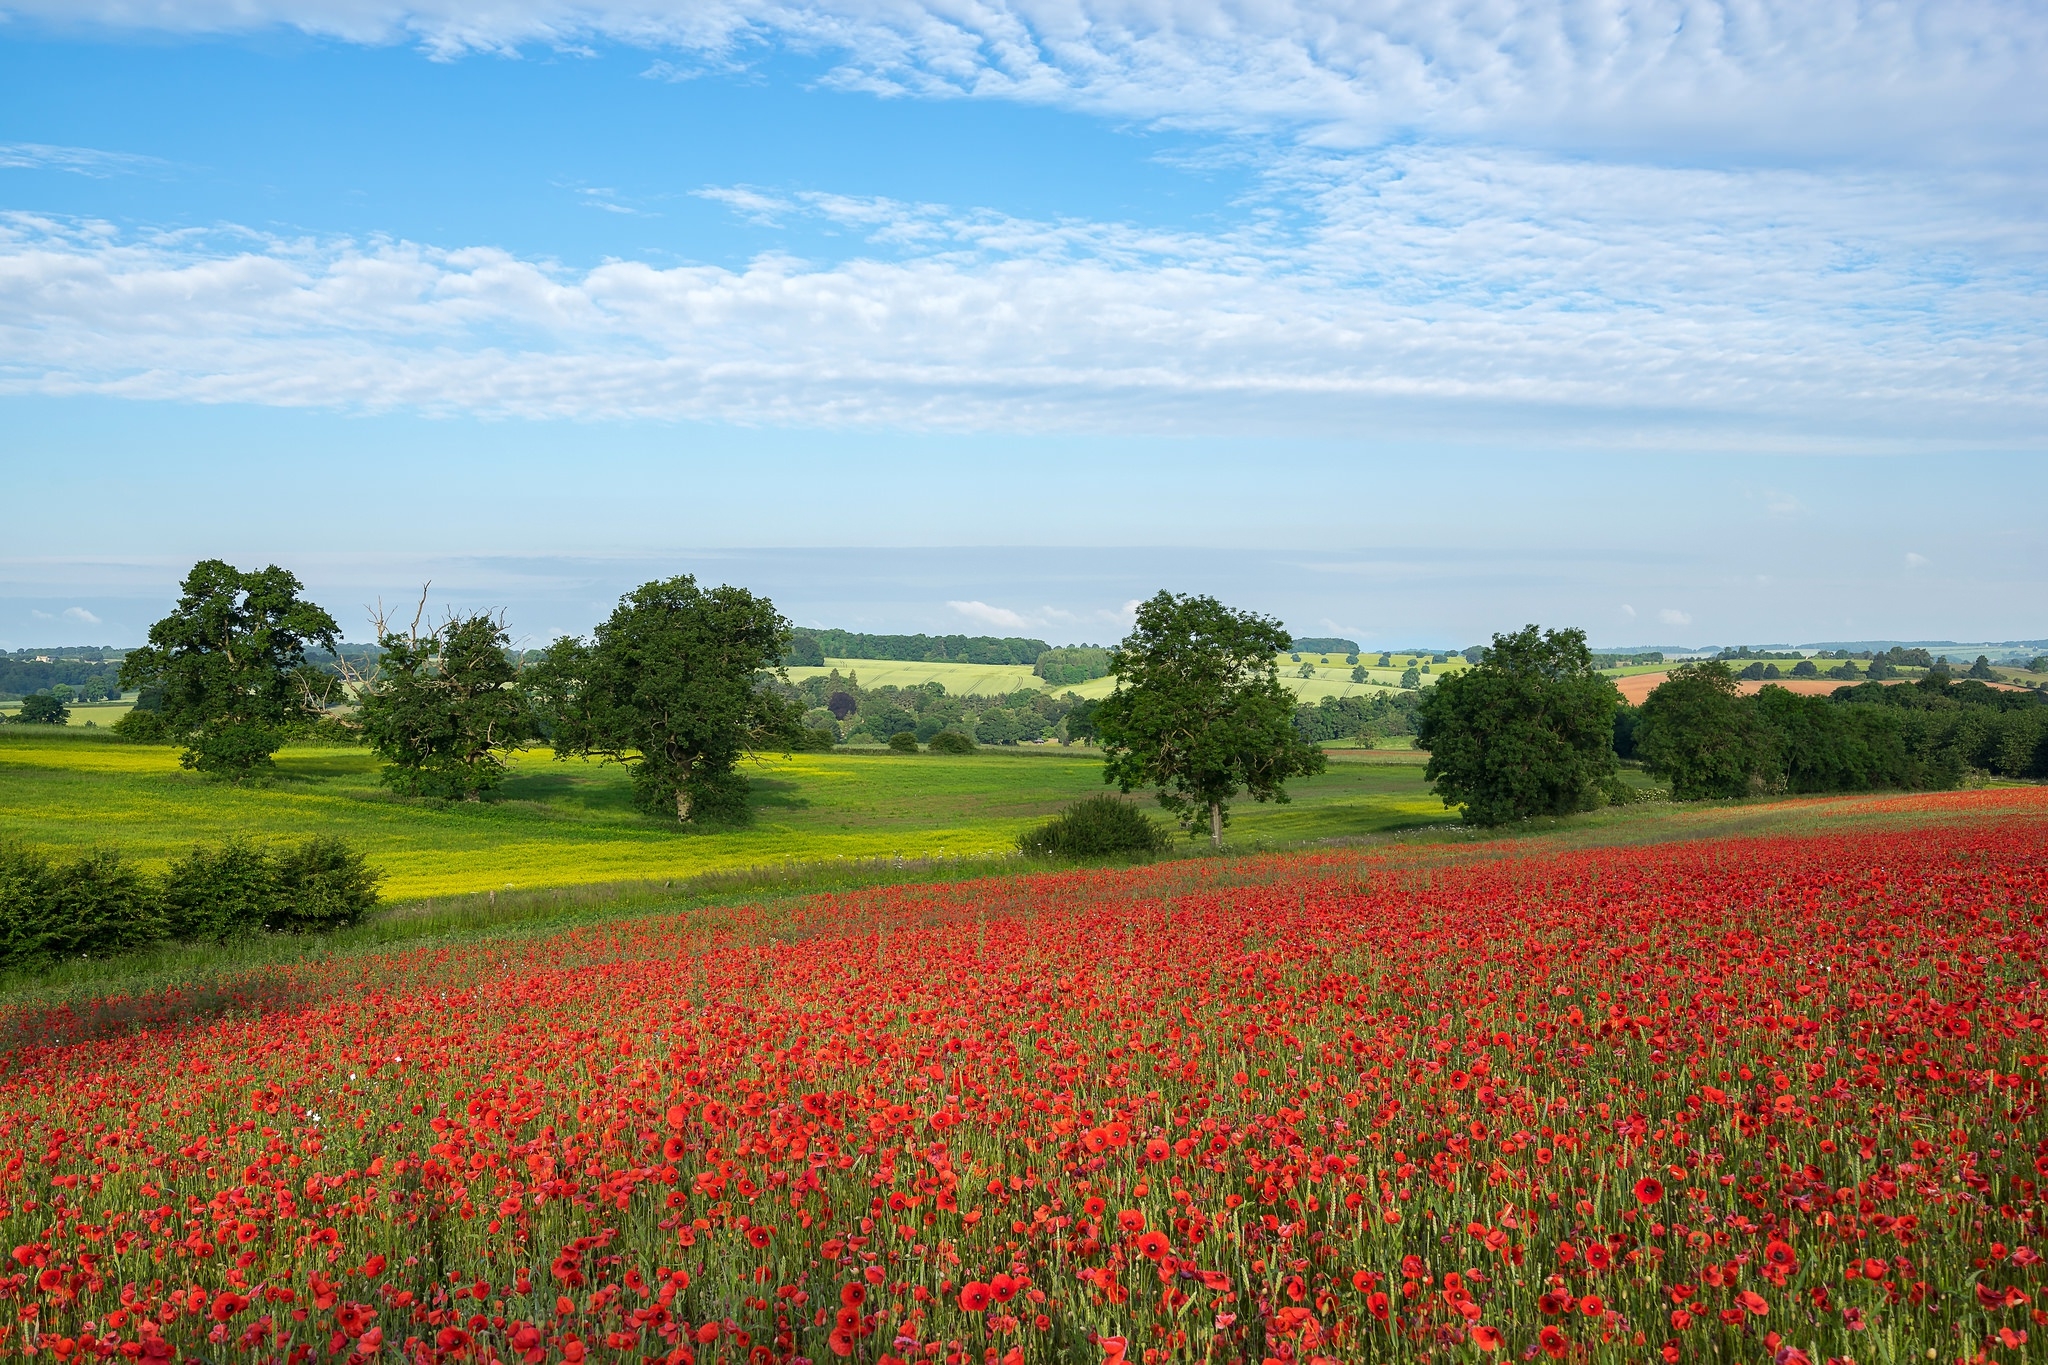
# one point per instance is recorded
(230, 663)
(1696, 731)
(1199, 712)
(441, 707)
(1528, 731)
(675, 684)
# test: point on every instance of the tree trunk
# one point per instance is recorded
(1216, 825)
(682, 805)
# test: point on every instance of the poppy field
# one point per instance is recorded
(1745, 1099)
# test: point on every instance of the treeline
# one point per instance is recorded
(87, 676)
(1700, 733)
(838, 710)
(810, 648)
(97, 906)
(1371, 720)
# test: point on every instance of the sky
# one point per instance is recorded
(1682, 322)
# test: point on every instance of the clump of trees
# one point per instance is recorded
(675, 686)
(1199, 712)
(441, 707)
(839, 708)
(1527, 731)
(1072, 665)
(96, 905)
(42, 708)
(227, 669)
(1698, 732)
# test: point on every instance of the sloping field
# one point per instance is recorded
(574, 823)
(1636, 687)
(1743, 1100)
(970, 680)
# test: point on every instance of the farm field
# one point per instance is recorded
(1332, 680)
(99, 713)
(565, 824)
(1733, 1099)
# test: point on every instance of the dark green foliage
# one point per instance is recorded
(1199, 712)
(961, 649)
(903, 742)
(1982, 670)
(951, 742)
(144, 727)
(1805, 668)
(1625, 718)
(231, 664)
(811, 739)
(215, 894)
(90, 672)
(1380, 716)
(1073, 665)
(1695, 731)
(320, 885)
(1098, 827)
(804, 651)
(441, 709)
(1320, 644)
(1926, 734)
(1411, 679)
(1529, 731)
(43, 708)
(1358, 674)
(93, 907)
(679, 685)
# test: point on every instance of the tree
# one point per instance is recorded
(673, 685)
(1411, 678)
(1358, 673)
(43, 708)
(231, 662)
(1199, 711)
(1695, 731)
(1527, 731)
(1982, 670)
(441, 707)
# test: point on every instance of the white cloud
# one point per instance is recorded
(1419, 285)
(87, 161)
(81, 615)
(1916, 561)
(1672, 616)
(1628, 611)
(1817, 73)
(990, 616)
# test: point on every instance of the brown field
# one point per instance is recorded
(1638, 686)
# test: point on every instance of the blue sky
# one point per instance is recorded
(1683, 322)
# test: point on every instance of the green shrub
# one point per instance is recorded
(322, 884)
(952, 742)
(903, 742)
(1100, 826)
(144, 727)
(212, 895)
(94, 907)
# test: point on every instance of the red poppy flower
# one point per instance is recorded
(1113, 1349)
(1488, 1338)
(1649, 1190)
(1130, 1220)
(975, 1297)
(1153, 1245)
(1781, 1255)
(1553, 1342)
(1753, 1302)
(1004, 1288)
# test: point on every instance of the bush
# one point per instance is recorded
(213, 895)
(1101, 826)
(141, 726)
(94, 907)
(97, 907)
(903, 742)
(951, 742)
(322, 884)
(43, 708)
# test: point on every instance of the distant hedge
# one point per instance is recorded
(95, 906)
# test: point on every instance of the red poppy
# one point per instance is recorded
(1649, 1190)
(1113, 1349)
(1553, 1342)
(1753, 1302)
(1781, 1255)
(1004, 1288)
(758, 1236)
(1153, 1245)
(1130, 1220)
(1488, 1338)
(976, 1296)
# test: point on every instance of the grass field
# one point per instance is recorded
(85, 714)
(967, 680)
(573, 823)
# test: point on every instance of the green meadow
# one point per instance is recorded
(565, 824)
(1329, 676)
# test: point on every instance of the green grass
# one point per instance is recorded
(968, 680)
(558, 824)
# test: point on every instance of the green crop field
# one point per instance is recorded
(85, 714)
(573, 823)
(965, 680)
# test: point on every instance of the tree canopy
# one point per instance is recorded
(1695, 731)
(1199, 711)
(441, 708)
(1529, 730)
(673, 685)
(230, 661)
